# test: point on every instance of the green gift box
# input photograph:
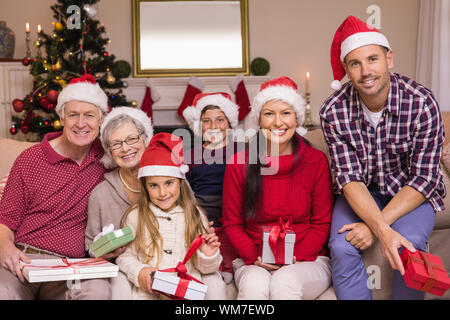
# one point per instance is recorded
(111, 241)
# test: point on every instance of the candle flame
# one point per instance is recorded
(27, 27)
(307, 75)
(39, 28)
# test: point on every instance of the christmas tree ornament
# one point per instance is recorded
(134, 103)
(57, 66)
(13, 130)
(37, 43)
(111, 79)
(91, 10)
(52, 96)
(57, 125)
(59, 27)
(43, 102)
(25, 129)
(26, 62)
(18, 105)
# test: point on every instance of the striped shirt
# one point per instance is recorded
(403, 150)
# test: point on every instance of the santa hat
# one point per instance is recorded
(221, 100)
(137, 115)
(84, 89)
(163, 157)
(352, 34)
(284, 89)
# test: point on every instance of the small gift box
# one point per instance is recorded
(278, 243)
(178, 287)
(111, 241)
(424, 271)
(182, 286)
(46, 270)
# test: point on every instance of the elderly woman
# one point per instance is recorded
(288, 183)
(125, 133)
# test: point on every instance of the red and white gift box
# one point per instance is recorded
(425, 272)
(46, 270)
(183, 286)
(278, 243)
(175, 286)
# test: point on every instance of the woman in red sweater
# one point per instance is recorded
(279, 175)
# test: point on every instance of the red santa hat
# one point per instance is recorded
(221, 100)
(163, 157)
(284, 89)
(352, 34)
(84, 89)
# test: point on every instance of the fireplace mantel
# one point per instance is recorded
(172, 91)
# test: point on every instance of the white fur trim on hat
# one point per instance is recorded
(83, 91)
(135, 114)
(154, 170)
(283, 93)
(362, 39)
(192, 114)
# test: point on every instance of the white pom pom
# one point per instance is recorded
(184, 169)
(336, 85)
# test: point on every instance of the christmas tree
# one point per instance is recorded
(76, 46)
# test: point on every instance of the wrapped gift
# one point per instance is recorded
(278, 243)
(182, 286)
(46, 270)
(111, 241)
(178, 287)
(424, 271)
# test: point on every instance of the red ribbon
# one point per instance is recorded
(430, 266)
(74, 265)
(181, 271)
(277, 238)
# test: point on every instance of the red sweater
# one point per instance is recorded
(305, 196)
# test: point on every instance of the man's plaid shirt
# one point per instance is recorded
(404, 150)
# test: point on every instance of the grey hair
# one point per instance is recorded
(105, 133)
(61, 115)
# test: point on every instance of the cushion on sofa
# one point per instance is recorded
(10, 150)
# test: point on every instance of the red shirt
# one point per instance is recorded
(305, 196)
(46, 196)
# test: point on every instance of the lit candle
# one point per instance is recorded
(39, 29)
(27, 27)
(307, 83)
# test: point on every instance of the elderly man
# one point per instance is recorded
(43, 211)
(384, 134)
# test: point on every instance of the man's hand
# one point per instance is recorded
(360, 235)
(115, 253)
(391, 241)
(10, 258)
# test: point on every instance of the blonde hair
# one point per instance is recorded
(148, 222)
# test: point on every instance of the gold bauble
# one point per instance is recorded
(59, 27)
(37, 43)
(57, 66)
(111, 79)
(134, 103)
(61, 82)
(57, 124)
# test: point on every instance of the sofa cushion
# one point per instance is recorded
(10, 150)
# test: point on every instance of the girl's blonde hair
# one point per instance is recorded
(148, 222)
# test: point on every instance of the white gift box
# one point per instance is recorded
(46, 270)
(168, 283)
(289, 242)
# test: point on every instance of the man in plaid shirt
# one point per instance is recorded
(384, 134)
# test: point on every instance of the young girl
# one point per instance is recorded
(292, 183)
(165, 222)
(212, 117)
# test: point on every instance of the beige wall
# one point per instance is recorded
(294, 35)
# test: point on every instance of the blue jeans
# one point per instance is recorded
(348, 272)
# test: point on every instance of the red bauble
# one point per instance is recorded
(50, 107)
(43, 102)
(17, 105)
(52, 96)
(26, 62)
(25, 129)
(13, 130)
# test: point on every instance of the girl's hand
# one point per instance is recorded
(145, 278)
(211, 244)
(268, 266)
